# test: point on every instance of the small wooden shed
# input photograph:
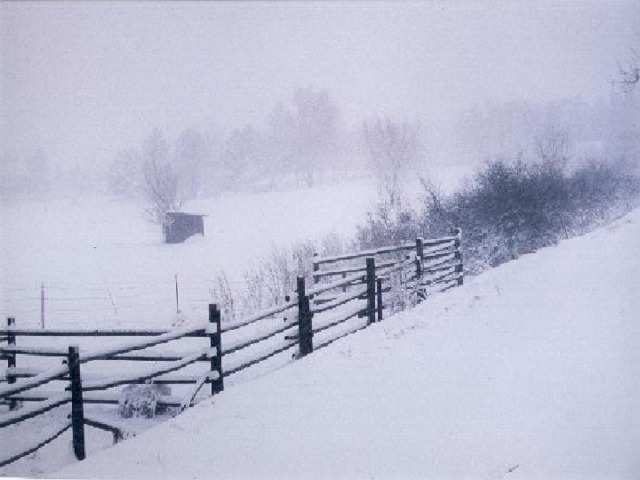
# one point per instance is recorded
(180, 226)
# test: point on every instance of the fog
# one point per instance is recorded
(81, 81)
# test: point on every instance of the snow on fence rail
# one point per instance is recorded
(314, 318)
(21, 383)
(361, 293)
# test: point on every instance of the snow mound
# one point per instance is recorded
(141, 400)
(531, 370)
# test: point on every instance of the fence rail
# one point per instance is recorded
(310, 319)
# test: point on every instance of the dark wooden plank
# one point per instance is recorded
(47, 404)
(259, 359)
(305, 327)
(77, 405)
(33, 382)
(329, 342)
(342, 319)
(59, 332)
(325, 287)
(215, 341)
(341, 300)
(364, 253)
(260, 316)
(371, 289)
(103, 384)
(261, 338)
(11, 357)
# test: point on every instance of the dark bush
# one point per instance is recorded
(601, 190)
(510, 208)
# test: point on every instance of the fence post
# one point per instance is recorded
(458, 256)
(379, 297)
(11, 359)
(77, 409)
(419, 257)
(371, 290)
(305, 327)
(215, 341)
(459, 267)
(316, 267)
(419, 266)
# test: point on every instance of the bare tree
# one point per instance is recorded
(553, 146)
(160, 180)
(316, 129)
(392, 149)
(125, 172)
(191, 156)
(241, 156)
(629, 75)
(223, 295)
(303, 138)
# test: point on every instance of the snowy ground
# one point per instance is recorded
(531, 370)
(102, 264)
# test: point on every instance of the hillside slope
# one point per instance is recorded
(530, 371)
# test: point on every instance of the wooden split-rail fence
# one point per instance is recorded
(349, 293)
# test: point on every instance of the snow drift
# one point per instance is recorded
(531, 370)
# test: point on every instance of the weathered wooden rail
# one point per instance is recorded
(346, 297)
(419, 269)
(23, 384)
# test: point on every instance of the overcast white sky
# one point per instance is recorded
(85, 79)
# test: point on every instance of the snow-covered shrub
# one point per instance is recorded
(275, 278)
(280, 275)
(332, 244)
(254, 296)
(160, 183)
(272, 280)
(511, 208)
(392, 150)
(387, 225)
(141, 400)
(403, 293)
(224, 297)
(601, 190)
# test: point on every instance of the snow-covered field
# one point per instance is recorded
(102, 264)
(531, 370)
